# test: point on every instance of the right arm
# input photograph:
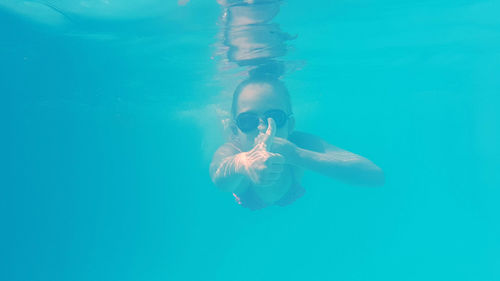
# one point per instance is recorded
(232, 170)
(226, 170)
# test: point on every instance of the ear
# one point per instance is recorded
(291, 124)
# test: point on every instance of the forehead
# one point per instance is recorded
(261, 97)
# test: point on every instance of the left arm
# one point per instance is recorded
(311, 152)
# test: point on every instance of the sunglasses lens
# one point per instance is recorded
(279, 117)
(247, 122)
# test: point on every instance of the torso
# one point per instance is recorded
(273, 193)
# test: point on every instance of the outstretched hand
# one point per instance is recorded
(262, 166)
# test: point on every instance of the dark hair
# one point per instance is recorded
(264, 74)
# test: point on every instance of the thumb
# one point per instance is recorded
(270, 132)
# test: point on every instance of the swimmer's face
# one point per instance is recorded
(259, 98)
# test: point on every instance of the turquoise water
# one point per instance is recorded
(105, 156)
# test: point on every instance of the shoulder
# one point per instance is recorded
(307, 141)
(230, 147)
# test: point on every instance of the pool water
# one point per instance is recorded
(111, 112)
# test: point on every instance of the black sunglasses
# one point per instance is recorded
(249, 121)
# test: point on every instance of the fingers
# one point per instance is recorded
(276, 159)
(269, 179)
(259, 140)
(271, 127)
(271, 176)
(263, 167)
(265, 141)
(270, 132)
(276, 168)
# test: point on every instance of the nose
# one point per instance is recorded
(262, 125)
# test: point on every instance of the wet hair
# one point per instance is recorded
(267, 74)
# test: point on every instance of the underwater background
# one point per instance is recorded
(109, 119)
